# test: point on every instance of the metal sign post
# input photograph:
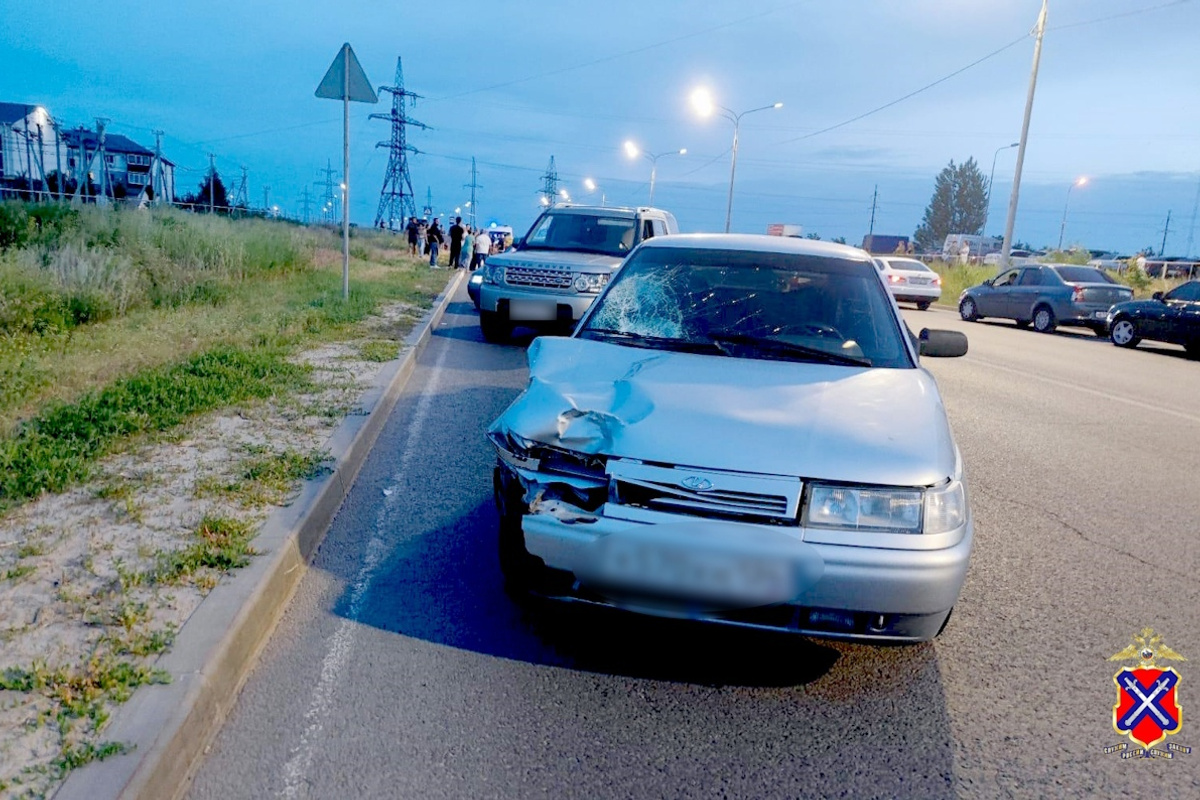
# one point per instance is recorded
(346, 81)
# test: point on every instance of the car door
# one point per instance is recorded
(1018, 303)
(1181, 322)
(992, 300)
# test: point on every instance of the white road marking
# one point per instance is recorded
(341, 644)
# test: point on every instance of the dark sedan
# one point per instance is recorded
(1046, 296)
(1172, 317)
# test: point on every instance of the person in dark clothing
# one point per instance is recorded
(411, 230)
(456, 239)
(435, 242)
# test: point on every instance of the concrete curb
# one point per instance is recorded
(169, 726)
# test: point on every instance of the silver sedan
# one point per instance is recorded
(717, 441)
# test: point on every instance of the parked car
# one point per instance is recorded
(1110, 261)
(910, 281)
(1016, 258)
(553, 274)
(718, 438)
(1046, 295)
(1172, 317)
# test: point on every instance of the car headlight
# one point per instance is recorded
(945, 507)
(883, 510)
(864, 509)
(590, 282)
(492, 273)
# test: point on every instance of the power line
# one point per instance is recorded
(1122, 15)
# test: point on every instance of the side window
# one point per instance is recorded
(1031, 276)
(1006, 279)
(1188, 293)
(660, 227)
(647, 229)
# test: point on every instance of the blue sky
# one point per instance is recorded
(513, 83)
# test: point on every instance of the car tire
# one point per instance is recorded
(1193, 348)
(494, 328)
(1100, 330)
(968, 310)
(522, 572)
(1043, 319)
(1124, 333)
(1022, 323)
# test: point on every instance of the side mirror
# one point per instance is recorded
(987, 282)
(1157, 296)
(942, 344)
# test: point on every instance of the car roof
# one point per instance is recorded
(757, 242)
(607, 211)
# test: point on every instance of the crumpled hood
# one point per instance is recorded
(877, 426)
(562, 259)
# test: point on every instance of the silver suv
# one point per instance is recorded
(555, 272)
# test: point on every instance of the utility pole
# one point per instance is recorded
(473, 186)
(328, 208)
(550, 184)
(241, 197)
(1162, 250)
(102, 155)
(212, 182)
(874, 201)
(396, 197)
(1192, 228)
(305, 203)
(158, 176)
(1006, 251)
(267, 200)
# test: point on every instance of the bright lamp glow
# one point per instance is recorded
(589, 184)
(564, 194)
(544, 201)
(702, 102)
(1081, 181)
(631, 150)
(683, 151)
(778, 105)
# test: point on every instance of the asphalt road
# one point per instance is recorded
(402, 670)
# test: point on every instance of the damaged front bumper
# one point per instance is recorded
(725, 571)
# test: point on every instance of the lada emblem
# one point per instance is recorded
(696, 483)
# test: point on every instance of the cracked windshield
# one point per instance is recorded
(774, 399)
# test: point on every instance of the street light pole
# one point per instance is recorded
(703, 103)
(1062, 229)
(632, 151)
(1006, 250)
(988, 208)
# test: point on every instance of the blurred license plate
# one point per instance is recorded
(696, 573)
(532, 310)
(918, 281)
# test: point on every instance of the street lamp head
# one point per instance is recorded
(777, 105)
(544, 201)
(702, 102)
(631, 149)
(1082, 180)
(589, 184)
(1015, 144)
(563, 193)
(683, 151)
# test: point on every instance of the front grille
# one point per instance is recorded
(540, 278)
(711, 494)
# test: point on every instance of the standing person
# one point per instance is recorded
(435, 243)
(456, 240)
(468, 249)
(964, 253)
(422, 237)
(483, 248)
(411, 230)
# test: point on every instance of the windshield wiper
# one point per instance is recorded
(780, 346)
(659, 342)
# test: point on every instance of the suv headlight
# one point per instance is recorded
(492, 273)
(590, 282)
(885, 510)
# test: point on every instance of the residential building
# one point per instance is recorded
(129, 169)
(29, 149)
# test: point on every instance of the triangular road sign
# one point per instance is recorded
(346, 79)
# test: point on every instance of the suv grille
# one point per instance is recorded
(704, 493)
(542, 278)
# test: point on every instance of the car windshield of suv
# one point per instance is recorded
(588, 233)
(1083, 275)
(748, 304)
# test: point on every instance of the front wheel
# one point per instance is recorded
(1100, 330)
(968, 310)
(522, 572)
(923, 305)
(1124, 334)
(1043, 320)
(1193, 348)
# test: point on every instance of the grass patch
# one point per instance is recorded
(60, 446)
(266, 479)
(222, 544)
(81, 693)
(379, 350)
(19, 571)
(75, 756)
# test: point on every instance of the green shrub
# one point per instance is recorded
(15, 226)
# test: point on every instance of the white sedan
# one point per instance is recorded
(910, 281)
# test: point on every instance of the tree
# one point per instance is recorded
(211, 183)
(958, 205)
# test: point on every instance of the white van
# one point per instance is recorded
(980, 245)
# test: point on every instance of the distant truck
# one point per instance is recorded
(780, 229)
(980, 246)
(877, 244)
